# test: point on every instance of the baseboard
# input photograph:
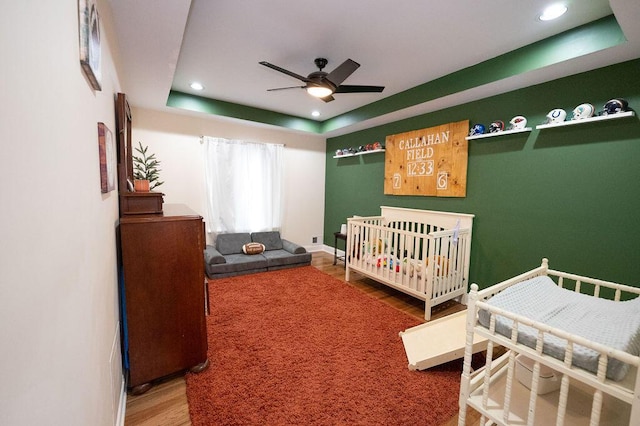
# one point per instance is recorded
(122, 406)
(321, 248)
(118, 381)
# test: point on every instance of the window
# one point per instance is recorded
(243, 184)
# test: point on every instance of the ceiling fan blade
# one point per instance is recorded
(343, 71)
(328, 98)
(359, 89)
(282, 70)
(285, 88)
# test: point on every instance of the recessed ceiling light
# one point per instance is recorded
(315, 113)
(196, 86)
(553, 12)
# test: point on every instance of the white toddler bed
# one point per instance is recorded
(420, 252)
(572, 355)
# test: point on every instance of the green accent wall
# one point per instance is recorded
(571, 194)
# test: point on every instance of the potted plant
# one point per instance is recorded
(145, 170)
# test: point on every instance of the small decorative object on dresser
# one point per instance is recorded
(141, 185)
(146, 168)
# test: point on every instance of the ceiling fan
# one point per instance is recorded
(323, 85)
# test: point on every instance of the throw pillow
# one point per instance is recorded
(253, 248)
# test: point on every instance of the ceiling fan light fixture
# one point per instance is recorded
(319, 91)
(323, 85)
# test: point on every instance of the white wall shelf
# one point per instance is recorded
(375, 151)
(492, 135)
(587, 120)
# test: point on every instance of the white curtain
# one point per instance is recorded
(244, 182)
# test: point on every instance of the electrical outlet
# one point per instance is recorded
(314, 240)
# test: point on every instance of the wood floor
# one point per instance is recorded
(165, 404)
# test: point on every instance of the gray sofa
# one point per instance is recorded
(227, 259)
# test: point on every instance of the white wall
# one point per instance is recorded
(175, 139)
(58, 279)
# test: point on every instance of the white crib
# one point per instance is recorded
(552, 389)
(420, 252)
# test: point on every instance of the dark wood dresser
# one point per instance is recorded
(162, 261)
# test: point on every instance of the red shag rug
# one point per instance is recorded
(299, 347)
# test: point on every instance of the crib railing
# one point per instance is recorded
(449, 272)
(492, 390)
(423, 260)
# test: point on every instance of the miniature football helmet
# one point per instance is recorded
(582, 111)
(477, 129)
(496, 126)
(517, 123)
(614, 106)
(555, 116)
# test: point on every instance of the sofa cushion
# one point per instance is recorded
(253, 248)
(240, 263)
(293, 247)
(270, 239)
(232, 243)
(212, 256)
(279, 258)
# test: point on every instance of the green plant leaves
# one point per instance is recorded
(146, 167)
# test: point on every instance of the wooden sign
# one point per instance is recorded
(430, 162)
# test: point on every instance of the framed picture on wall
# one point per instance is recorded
(107, 150)
(90, 55)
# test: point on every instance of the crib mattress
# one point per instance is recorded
(614, 324)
